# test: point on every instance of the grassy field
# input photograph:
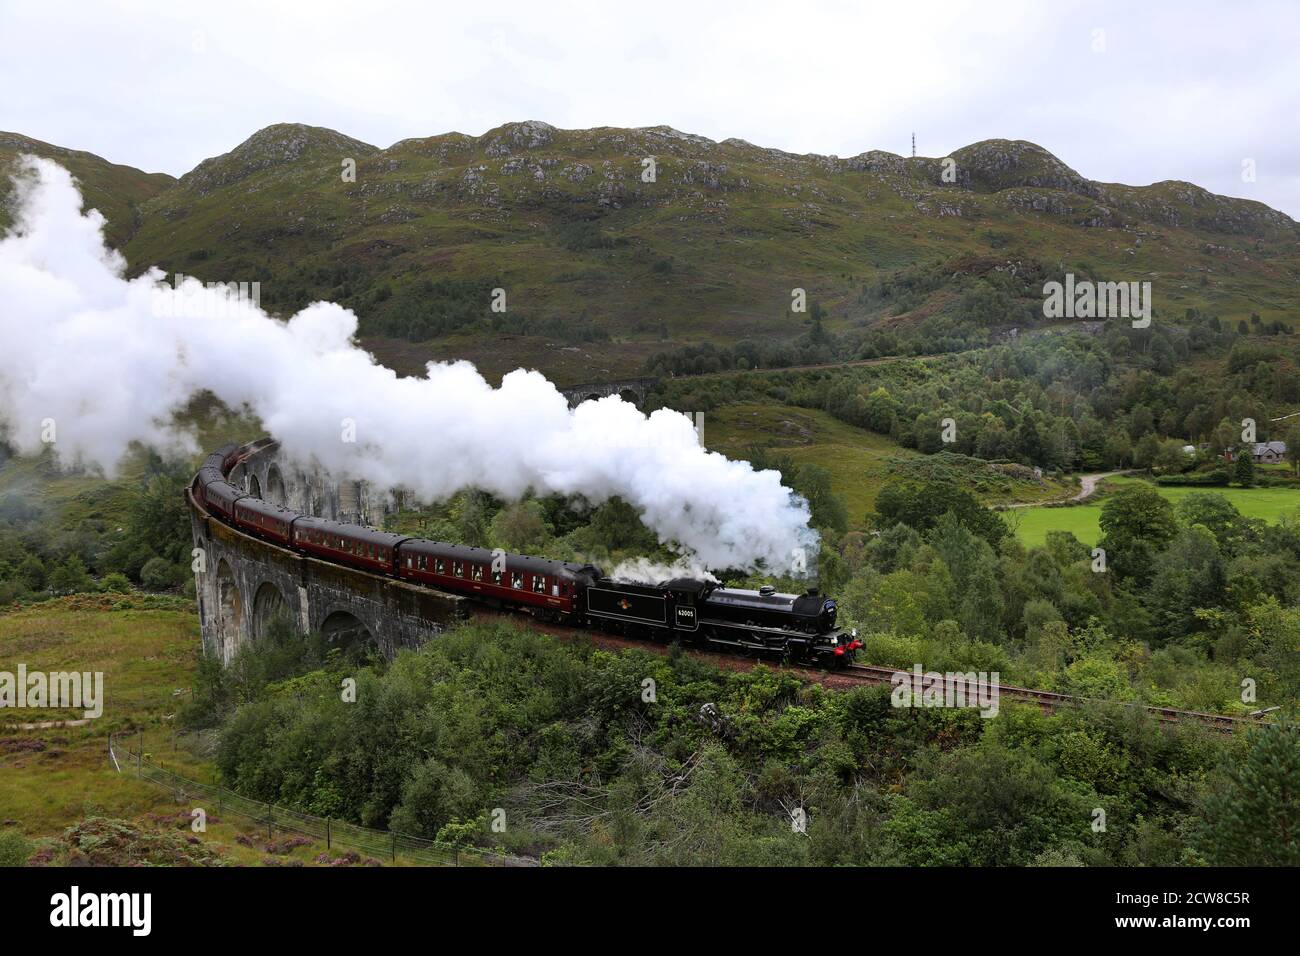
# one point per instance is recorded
(855, 458)
(859, 461)
(1033, 524)
(52, 778)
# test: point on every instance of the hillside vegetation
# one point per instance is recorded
(603, 269)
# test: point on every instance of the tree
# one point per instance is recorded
(31, 572)
(1118, 450)
(1253, 817)
(970, 560)
(920, 505)
(1189, 575)
(616, 526)
(470, 514)
(432, 796)
(158, 574)
(1136, 525)
(521, 527)
(1146, 450)
(1243, 469)
(1218, 514)
(1171, 457)
(1293, 445)
(1223, 438)
(70, 577)
(814, 483)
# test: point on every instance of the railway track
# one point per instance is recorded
(871, 674)
(1050, 701)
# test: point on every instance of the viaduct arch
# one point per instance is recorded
(246, 584)
(632, 390)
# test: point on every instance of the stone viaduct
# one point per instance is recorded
(633, 390)
(247, 583)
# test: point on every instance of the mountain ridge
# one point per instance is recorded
(604, 268)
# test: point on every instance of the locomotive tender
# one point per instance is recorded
(799, 628)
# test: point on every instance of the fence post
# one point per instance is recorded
(394, 847)
(327, 833)
(139, 763)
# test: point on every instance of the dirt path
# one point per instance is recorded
(1087, 487)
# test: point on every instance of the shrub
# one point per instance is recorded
(115, 583)
(158, 574)
(14, 848)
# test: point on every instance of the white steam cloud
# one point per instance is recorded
(91, 353)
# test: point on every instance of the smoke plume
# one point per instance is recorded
(95, 361)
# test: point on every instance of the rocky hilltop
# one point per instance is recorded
(602, 259)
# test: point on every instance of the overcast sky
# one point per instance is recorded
(1131, 92)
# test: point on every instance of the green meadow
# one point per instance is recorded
(1033, 524)
(54, 777)
(859, 462)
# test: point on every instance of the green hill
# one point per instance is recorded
(602, 269)
(116, 191)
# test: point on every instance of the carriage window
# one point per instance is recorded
(476, 572)
(539, 584)
(496, 575)
(440, 566)
(516, 579)
(555, 590)
(458, 569)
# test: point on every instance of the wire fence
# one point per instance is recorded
(377, 844)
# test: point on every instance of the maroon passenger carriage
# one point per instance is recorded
(548, 589)
(346, 543)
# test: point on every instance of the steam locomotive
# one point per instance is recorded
(799, 628)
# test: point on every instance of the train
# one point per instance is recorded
(795, 628)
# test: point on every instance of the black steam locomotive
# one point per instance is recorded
(794, 627)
